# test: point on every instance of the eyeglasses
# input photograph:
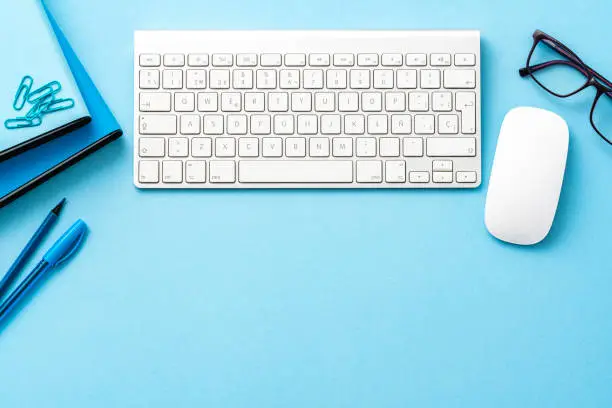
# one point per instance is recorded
(562, 73)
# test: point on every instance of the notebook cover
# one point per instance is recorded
(31, 48)
(25, 171)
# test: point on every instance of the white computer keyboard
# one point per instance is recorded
(313, 109)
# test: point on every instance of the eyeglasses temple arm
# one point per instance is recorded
(523, 72)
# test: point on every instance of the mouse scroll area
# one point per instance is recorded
(527, 175)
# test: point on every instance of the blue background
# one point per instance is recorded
(318, 298)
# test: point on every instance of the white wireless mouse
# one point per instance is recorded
(527, 175)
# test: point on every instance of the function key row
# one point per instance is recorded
(313, 60)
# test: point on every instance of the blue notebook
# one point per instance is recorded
(32, 156)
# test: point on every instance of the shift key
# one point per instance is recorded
(451, 146)
(157, 124)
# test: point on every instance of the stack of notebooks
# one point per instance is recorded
(56, 138)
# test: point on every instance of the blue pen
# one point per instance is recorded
(30, 247)
(63, 249)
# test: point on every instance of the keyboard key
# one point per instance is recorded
(418, 101)
(231, 102)
(313, 79)
(295, 60)
(222, 171)
(243, 79)
(260, 124)
(196, 79)
(442, 177)
(416, 60)
(406, 78)
(266, 79)
(289, 79)
(448, 124)
(150, 60)
(283, 124)
(371, 102)
(222, 60)
(465, 60)
(295, 171)
(201, 147)
(148, 171)
(344, 60)
(197, 60)
(301, 102)
(295, 147)
(157, 124)
(365, 146)
(377, 124)
(248, 147)
(236, 124)
(401, 124)
(369, 171)
(178, 147)
(174, 60)
(440, 60)
(383, 78)
(330, 124)
(466, 177)
(173, 79)
(354, 124)
(219, 79)
(272, 147)
(325, 102)
(451, 147)
(307, 124)
(278, 101)
(246, 60)
(413, 147)
(395, 101)
(460, 79)
(254, 101)
(367, 60)
(195, 171)
(319, 147)
(319, 60)
(442, 101)
(151, 147)
(348, 101)
(360, 78)
(419, 177)
(184, 102)
(395, 171)
(465, 102)
(213, 124)
(442, 165)
(424, 124)
(172, 171)
(225, 147)
(270, 60)
(430, 79)
(155, 102)
(336, 79)
(208, 101)
(190, 124)
(392, 60)
(149, 79)
(342, 146)
(389, 146)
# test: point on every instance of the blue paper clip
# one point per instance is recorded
(23, 92)
(19, 123)
(40, 106)
(58, 105)
(51, 88)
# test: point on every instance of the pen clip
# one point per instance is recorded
(76, 246)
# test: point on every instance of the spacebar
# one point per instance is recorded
(295, 171)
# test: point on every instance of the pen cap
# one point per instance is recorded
(67, 244)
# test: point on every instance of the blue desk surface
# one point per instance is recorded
(318, 298)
